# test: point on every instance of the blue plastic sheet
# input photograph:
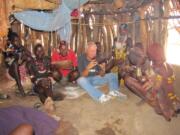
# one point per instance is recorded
(57, 20)
(45, 21)
(72, 4)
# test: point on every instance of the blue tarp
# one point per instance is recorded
(73, 4)
(57, 20)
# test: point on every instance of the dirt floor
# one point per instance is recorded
(115, 117)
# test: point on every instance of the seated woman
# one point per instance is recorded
(120, 52)
(164, 73)
(135, 72)
(143, 79)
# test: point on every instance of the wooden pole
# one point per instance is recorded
(143, 28)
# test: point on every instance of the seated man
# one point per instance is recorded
(165, 75)
(65, 61)
(40, 73)
(15, 55)
(93, 74)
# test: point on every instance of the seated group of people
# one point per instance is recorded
(145, 72)
(148, 75)
(41, 69)
(63, 66)
(65, 62)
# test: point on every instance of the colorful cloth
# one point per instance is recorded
(23, 74)
(120, 54)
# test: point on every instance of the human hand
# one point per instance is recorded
(102, 66)
(91, 64)
(147, 85)
(64, 64)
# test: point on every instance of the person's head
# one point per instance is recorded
(14, 38)
(63, 48)
(91, 50)
(123, 29)
(98, 44)
(115, 39)
(139, 45)
(156, 53)
(39, 51)
(137, 56)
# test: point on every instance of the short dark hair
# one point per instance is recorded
(36, 47)
(97, 43)
(63, 42)
(12, 36)
(139, 45)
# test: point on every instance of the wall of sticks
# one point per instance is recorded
(147, 25)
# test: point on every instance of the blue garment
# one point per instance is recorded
(57, 20)
(89, 84)
(83, 62)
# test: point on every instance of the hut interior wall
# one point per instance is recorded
(3, 18)
(29, 37)
(19, 5)
(102, 29)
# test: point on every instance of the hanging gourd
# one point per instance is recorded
(118, 4)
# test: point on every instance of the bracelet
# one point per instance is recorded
(92, 70)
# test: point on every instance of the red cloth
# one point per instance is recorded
(23, 75)
(70, 56)
(75, 13)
